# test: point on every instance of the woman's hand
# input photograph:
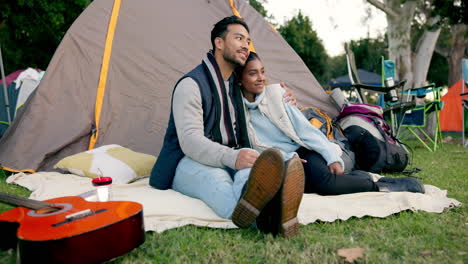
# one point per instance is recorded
(336, 168)
(289, 95)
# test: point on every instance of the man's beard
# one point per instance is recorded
(232, 59)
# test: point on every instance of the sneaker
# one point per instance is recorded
(291, 196)
(264, 182)
(405, 184)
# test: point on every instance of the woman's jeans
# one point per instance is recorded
(219, 188)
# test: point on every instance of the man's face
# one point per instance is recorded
(235, 45)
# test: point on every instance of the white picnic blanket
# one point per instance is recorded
(169, 209)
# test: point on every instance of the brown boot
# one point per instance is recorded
(269, 220)
(291, 195)
(264, 182)
(280, 215)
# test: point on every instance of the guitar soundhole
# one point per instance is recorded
(49, 210)
(58, 208)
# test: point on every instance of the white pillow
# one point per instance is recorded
(122, 164)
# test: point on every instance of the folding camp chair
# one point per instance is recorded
(464, 97)
(416, 118)
(393, 105)
(396, 101)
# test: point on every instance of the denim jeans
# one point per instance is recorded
(219, 188)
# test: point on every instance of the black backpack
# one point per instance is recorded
(371, 139)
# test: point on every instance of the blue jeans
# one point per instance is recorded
(219, 188)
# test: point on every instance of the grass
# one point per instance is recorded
(407, 237)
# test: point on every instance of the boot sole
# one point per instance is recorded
(264, 182)
(291, 196)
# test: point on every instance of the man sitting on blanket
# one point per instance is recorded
(206, 152)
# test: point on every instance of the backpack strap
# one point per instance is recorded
(327, 119)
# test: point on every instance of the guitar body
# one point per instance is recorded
(73, 230)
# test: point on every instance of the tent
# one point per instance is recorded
(11, 77)
(20, 85)
(366, 77)
(136, 50)
(7, 112)
(451, 113)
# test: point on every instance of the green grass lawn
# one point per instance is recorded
(407, 237)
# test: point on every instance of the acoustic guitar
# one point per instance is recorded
(70, 229)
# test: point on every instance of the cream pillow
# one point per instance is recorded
(122, 164)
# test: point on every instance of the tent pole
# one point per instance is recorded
(5, 91)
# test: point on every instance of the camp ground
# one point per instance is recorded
(145, 62)
(102, 108)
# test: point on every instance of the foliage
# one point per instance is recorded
(258, 5)
(337, 66)
(30, 30)
(368, 53)
(453, 11)
(406, 237)
(438, 71)
(303, 39)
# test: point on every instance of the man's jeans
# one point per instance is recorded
(219, 188)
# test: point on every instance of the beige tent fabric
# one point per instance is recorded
(169, 209)
(156, 42)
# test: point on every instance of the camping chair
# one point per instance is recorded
(407, 113)
(416, 118)
(397, 101)
(464, 98)
(393, 106)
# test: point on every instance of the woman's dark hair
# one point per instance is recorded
(252, 56)
(221, 27)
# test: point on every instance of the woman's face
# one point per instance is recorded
(253, 77)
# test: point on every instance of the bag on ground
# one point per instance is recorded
(371, 139)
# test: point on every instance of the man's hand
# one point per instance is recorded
(335, 168)
(246, 159)
(289, 95)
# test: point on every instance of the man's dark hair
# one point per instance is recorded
(220, 28)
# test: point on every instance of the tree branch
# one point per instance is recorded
(379, 5)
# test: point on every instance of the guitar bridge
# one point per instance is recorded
(78, 215)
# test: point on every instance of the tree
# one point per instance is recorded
(30, 30)
(401, 14)
(453, 43)
(368, 53)
(303, 39)
(258, 5)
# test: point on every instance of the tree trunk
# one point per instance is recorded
(399, 38)
(423, 54)
(458, 50)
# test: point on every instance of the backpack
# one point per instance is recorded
(332, 131)
(371, 139)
